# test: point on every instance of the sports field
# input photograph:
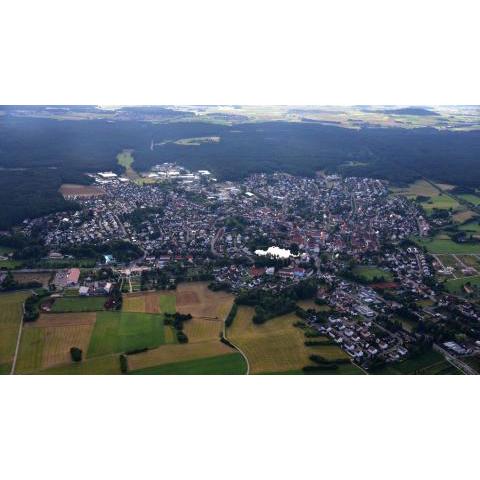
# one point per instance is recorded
(10, 318)
(276, 346)
(369, 273)
(78, 304)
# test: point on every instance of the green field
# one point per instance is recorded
(31, 350)
(369, 273)
(456, 285)
(8, 264)
(168, 303)
(428, 363)
(10, 318)
(78, 304)
(231, 364)
(442, 246)
(116, 332)
(473, 199)
(473, 226)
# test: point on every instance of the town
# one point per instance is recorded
(376, 295)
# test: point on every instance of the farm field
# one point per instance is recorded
(117, 332)
(473, 199)
(229, 364)
(428, 363)
(456, 285)
(473, 227)
(167, 354)
(40, 277)
(47, 341)
(78, 304)
(463, 216)
(437, 199)
(276, 345)
(443, 246)
(370, 273)
(195, 298)
(106, 365)
(10, 318)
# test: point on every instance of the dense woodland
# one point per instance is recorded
(38, 155)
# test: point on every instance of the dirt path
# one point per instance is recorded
(19, 337)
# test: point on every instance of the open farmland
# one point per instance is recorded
(436, 198)
(167, 354)
(47, 341)
(196, 298)
(444, 245)
(117, 332)
(10, 319)
(427, 363)
(276, 346)
(229, 364)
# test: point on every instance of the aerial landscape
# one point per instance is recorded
(233, 240)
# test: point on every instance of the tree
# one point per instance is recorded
(76, 354)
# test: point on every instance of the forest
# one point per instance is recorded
(38, 155)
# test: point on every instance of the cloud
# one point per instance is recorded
(274, 252)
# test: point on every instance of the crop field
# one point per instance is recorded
(10, 318)
(428, 363)
(84, 191)
(201, 330)
(474, 199)
(420, 187)
(78, 304)
(40, 277)
(195, 298)
(472, 227)
(437, 199)
(116, 332)
(229, 364)
(168, 303)
(443, 246)
(370, 273)
(167, 354)
(47, 341)
(463, 216)
(106, 365)
(275, 346)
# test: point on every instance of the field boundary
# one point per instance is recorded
(236, 347)
(19, 337)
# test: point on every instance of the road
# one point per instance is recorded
(215, 239)
(456, 362)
